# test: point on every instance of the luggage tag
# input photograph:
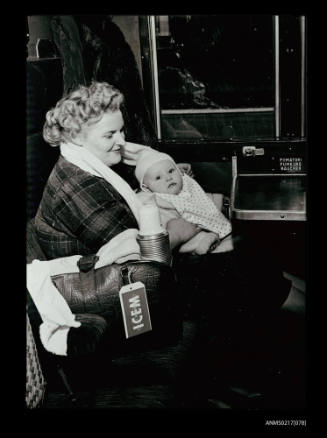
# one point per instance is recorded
(134, 304)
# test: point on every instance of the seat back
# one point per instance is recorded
(43, 88)
(33, 252)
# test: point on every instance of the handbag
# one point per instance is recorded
(97, 291)
(35, 382)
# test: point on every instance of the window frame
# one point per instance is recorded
(286, 104)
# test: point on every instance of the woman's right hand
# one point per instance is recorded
(181, 231)
(186, 168)
(130, 152)
(121, 247)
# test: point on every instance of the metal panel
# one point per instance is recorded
(269, 197)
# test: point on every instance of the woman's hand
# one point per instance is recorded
(130, 152)
(180, 231)
(186, 168)
(202, 243)
(120, 248)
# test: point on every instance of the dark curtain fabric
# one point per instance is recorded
(65, 34)
(92, 47)
(108, 57)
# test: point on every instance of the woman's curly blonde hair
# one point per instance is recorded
(80, 106)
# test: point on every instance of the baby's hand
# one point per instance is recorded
(186, 168)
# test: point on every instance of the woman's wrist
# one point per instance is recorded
(180, 231)
(214, 237)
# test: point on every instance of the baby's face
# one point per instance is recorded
(163, 177)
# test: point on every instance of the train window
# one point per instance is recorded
(225, 77)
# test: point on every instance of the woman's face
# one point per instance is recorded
(105, 137)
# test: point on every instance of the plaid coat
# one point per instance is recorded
(79, 212)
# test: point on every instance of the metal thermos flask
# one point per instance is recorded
(153, 238)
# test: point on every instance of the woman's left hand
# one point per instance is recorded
(130, 152)
(186, 168)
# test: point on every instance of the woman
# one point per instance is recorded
(85, 203)
(86, 206)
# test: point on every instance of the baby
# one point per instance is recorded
(179, 195)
